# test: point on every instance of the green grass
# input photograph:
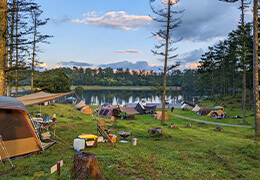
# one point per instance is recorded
(198, 152)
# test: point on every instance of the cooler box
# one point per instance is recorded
(91, 140)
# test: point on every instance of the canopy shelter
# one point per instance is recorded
(80, 104)
(196, 108)
(40, 97)
(16, 129)
(129, 110)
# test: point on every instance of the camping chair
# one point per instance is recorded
(101, 128)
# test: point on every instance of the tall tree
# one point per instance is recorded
(3, 39)
(255, 74)
(168, 22)
(37, 36)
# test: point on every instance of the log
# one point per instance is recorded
(86, 166)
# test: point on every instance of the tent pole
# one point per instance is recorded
(5, 151)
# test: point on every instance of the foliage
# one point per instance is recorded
(53, 81)
(79, 90)
(180, 153)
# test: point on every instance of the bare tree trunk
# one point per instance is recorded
(11, 49)
(3, 52)
(165, 61)
(255, 74)
(244, 61)
(16, 48)
(34, 51)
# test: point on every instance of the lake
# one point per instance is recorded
(122, 97)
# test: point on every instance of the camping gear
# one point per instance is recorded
(2, 144)
(112, 138)
(108, 112)
(189, 125)
(45, 135)
(158, 115)
(134, 141)
(53, 117)
(40, 97)
(102, 130)
(204, 111)
(219, 114)
(79, 143)
(196, 108)
(17, 130)
(142, 108)
(124, 135)
(86, 110)
(80, 104)
(90, 139)
(100, 139)
(156, 130)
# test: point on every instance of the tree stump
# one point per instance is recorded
(86, 166)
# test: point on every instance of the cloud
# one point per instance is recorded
(129, 51)
(61, 20)
(139, 65)
(115, 20)
(190, 57)
(74, 63)
(206, 20)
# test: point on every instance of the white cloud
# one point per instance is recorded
(129, 51)
(115, 20)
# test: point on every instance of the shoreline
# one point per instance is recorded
(174, 88)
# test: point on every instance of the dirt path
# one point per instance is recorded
(208, 122)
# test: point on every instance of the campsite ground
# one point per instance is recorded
(198, 152)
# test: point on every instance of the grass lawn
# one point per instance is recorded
(198, 152)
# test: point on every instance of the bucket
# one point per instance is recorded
(134, 141)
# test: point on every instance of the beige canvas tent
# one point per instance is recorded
(17, 131)
(40, 97)
(158, 115)
(196, 108)
(86, 110)
(80, 104)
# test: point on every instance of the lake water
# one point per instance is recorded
(122, 97)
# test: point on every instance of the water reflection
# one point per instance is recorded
(98, 97)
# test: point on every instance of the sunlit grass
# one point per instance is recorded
(198, 152)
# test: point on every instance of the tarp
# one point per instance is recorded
(80, 104)
(158, 115)
(16, 129)
(129, 110)
(196, 108)
(86, 110)
(40, 97)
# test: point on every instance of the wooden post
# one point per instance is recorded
(86, 166)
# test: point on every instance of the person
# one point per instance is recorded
(97, 109)
(172, 109)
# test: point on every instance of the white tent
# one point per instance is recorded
(196, 108)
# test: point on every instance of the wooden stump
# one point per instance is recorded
(87, 167)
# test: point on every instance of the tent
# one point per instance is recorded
(80, 104)
(196, 108)
(158, 115)
(129, 110)
(40, 97)
(86, 110)
(17, 130)
(218, 113)
(143, 109)
(107, 112)
(204, 111)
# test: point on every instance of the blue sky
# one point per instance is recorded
(102, 33)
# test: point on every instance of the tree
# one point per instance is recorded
(255, 74)
(168, 22)
(37, 36)
(53, 81)
(3, 42)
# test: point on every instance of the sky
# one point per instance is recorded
(118, 33)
